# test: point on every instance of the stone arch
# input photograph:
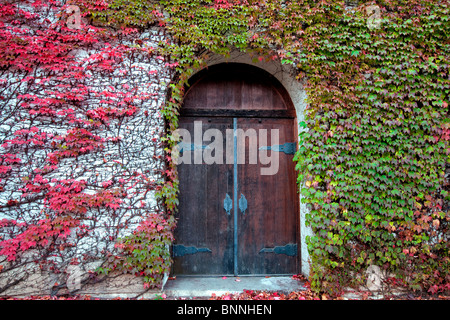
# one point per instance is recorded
(285, 74)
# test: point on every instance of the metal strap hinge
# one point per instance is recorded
(180, 250)
(287, 148)
(290, 250)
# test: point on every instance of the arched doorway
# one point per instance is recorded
(238, 202)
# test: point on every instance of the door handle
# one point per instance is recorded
(227, 204)
(242, 204)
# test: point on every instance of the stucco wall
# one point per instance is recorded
(137, 151)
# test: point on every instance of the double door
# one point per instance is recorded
(238, 203)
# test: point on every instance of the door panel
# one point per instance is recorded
(202, 220)
(236, 87)
(271, 218)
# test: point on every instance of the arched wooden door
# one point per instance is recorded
(239, 207)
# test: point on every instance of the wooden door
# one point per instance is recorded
(232, 219)
(204, 235)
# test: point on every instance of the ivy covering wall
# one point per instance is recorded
(373, 164)
(374, 152)
(80, 155)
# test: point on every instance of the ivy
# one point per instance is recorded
(377, 146)
(145, 252)
(56, 113)
(373, 153)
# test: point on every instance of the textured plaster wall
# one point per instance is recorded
(136, 153)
